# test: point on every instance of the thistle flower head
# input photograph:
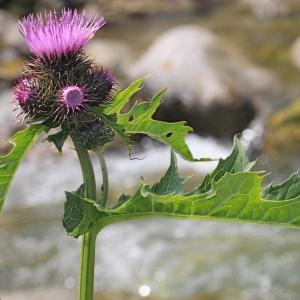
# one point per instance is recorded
(60, 86)
(56, 35)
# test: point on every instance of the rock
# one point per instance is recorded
(113, 55)
(206, 80)
(295, 53)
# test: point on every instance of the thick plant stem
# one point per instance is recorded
(88, 242)
(104, 190)
(87, 266)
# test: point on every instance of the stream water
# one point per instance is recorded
(174, 259)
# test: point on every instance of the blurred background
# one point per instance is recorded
(232, 66)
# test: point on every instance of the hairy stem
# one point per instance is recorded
(88, 242)
(105, 186)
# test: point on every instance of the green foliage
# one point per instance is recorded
(122, 97)
(235, 197)
(236, 162)
(171, 182)
(9, 164)
(289, 189)
(231, 192)
(58, 139)
(139, 120)
(78, 216)
(74, 209)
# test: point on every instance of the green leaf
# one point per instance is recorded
(58, 139)
(171, 182)
(9, 164)
(235, 197)
(236, 162)
(120, 100)
(234, 194)
(289, 189)
(77, 218)
(123, 198)
(139, 120)
(122, 97)
(74, 210)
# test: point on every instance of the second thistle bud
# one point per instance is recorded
(92, 135)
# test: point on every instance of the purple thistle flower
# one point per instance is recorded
(59, 35)
(72, 96)
(60, 86)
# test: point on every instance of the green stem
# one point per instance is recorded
(87, 266)
(105, 186)
(88, 242)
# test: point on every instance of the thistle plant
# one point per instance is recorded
(62, 93)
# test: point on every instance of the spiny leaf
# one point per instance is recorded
(289, 189)
(120, 100)
(171, 182)
(235, 197)
(122, 97)
(232, 193)
(139, 120)
(123, 198)
(236, 162)
(58, 139)
(9, 164)
(74, 210)
(77, 218)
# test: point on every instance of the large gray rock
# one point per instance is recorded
(205, 79)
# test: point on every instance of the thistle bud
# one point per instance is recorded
(92, 135)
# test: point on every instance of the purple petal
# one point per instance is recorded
(58, 35)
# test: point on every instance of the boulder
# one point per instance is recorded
(210, 84)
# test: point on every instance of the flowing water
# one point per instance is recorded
(171, 259)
